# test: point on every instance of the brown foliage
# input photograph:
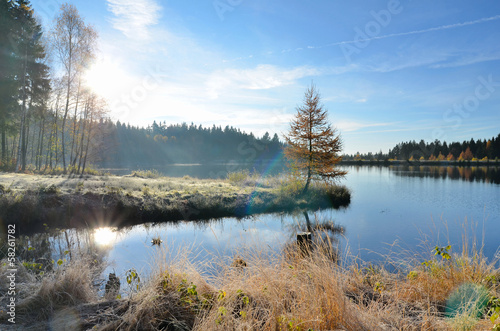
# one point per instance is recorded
(313, 146)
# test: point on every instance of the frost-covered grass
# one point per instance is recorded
(141, 197)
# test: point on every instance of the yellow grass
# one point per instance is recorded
(295, 290)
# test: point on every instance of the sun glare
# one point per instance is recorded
(104, 236)
(105, 78)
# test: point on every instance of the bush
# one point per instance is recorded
(238, 177)
(52, 189)
(146, 173)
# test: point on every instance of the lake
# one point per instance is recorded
(393, 209)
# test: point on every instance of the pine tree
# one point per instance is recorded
(8, 84)
(313, 146)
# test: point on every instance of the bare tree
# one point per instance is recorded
(94, 113)
(74, 45)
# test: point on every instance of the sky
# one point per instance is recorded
(387, 71)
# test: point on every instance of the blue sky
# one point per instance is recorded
(388, 71)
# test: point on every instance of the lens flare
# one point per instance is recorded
(104, 236)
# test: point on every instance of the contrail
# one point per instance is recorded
(392, 35)
(442, 27)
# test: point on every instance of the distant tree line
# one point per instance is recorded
(485, 149)
(160, 144)
(49, 118)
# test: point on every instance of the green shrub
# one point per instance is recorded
(238, 177)
(146, 173)
(52, 189)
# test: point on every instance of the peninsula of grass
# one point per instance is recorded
(144, 196)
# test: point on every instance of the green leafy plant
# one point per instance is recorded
(190, 296)
(412, 275)
(379, 287)
(34, 267)
(494, 313)
(222, 312)
(444, 252)
(290, 324)
(133, 279)
(59, 262)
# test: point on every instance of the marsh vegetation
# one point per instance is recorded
(294, 290)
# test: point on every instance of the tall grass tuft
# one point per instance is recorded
(68, 287)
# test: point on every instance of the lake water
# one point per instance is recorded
(392, 209)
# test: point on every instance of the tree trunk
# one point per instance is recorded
(4, 141)
(39, 154)
(88, 143)
(74, 126)
(82, 140)
(310, 158)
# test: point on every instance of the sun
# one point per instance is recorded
(106, 78)
(104, 236)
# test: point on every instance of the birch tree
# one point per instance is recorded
(74, 45)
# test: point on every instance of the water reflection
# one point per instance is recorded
(325, 234)
(44, 252)
(105, 236)
(469, 173)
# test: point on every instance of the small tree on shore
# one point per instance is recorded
(312, 145)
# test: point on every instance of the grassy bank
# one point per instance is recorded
(62, 201)
(297, 290)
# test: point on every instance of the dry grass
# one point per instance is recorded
(64, 288)
(298, 291)
(51, 300)
(262, 290)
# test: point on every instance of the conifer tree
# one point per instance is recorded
(313, 146)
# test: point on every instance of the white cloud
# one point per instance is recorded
(134, 17)
(262, 77)
(349, 126)
(467, 60)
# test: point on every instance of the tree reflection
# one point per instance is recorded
(325, 235)
(40, 252)
(485, 174)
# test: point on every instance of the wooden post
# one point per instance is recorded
(304, 240)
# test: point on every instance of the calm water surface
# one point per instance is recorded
(392, 208)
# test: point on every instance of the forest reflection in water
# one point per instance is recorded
(487, 174)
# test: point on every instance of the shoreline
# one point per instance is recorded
(422, 163)
(71, 202)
